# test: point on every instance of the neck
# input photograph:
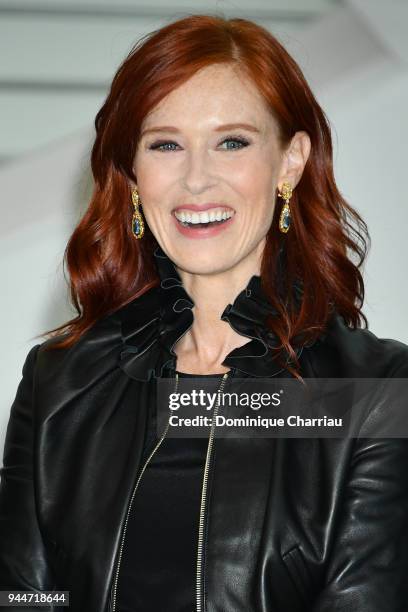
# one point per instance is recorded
(205, 345)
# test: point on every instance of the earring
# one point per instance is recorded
(285, 217)
(137, 220)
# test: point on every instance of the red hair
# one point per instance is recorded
(108, 267)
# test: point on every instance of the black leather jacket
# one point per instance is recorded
(291, 525)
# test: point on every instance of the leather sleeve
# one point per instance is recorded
(23, 559)
(368, 563)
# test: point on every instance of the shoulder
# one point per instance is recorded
(99, 349)
(343, 351)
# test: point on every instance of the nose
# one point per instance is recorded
(197, 175)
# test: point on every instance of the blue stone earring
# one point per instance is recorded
(285, 217)
(137, 220)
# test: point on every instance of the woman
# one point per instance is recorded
(217, 245)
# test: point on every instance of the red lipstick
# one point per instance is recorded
(201, 207)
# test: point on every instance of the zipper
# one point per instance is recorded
(199, 580)
(112, 606)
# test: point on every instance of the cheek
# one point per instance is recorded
(153, 187)
(258, 194)
(254, 176)
(152, 174)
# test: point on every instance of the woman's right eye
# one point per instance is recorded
(163, 143)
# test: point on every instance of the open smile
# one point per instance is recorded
(205, 223)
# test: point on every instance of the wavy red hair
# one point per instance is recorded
(108, 267)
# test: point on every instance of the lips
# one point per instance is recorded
(205, 216)
(202, 220)
(201, 207)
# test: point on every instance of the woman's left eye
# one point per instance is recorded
(243, 142)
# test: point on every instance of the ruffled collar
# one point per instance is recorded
(152, 323)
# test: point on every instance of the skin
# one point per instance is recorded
(200, 167)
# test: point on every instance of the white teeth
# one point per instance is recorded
(203, 217)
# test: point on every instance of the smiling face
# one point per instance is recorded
(199, 167)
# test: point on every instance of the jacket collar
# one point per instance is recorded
(152, 323)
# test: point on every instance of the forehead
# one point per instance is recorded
(219, 93)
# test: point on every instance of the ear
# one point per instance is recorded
(294, 159)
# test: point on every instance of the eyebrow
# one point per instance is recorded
(221, 128)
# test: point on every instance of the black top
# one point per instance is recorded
(158, 566)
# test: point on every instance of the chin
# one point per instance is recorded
(204, 265)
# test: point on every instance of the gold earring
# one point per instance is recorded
(137, 219)
(285, 216)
